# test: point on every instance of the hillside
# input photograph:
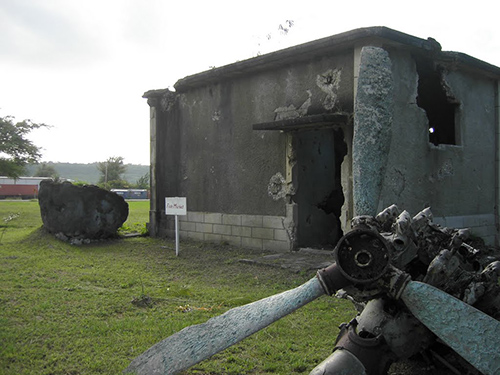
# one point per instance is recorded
(89, 173)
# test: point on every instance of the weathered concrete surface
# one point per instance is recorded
(372, 128)
(203, 145)
(85, 212)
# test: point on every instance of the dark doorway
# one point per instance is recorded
(319, 154)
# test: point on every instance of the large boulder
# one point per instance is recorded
(80, 212)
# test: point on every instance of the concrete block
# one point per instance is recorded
(479, 220)
(187, 226)
(275, 222)
(454, 222)
(232, 240)
(241, 231)
(264, 233)
(251, 221)
(483, 231)
(204, 228)
(222, 229)
(281, 235)
(196, 217)
(196, 236)
(214, 218)
(489, 240)
(228, 219)
(279, 246)
(236, 230)
(439, 221)
(214, 238)
(251, 243)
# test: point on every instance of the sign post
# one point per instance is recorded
(176, 206)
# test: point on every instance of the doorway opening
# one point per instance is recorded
(318, 191)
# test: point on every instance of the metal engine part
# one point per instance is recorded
(400, 246)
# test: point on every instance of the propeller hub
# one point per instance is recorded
(362, 256)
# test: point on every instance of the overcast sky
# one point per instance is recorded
(83, 65)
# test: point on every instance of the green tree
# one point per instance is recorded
(15, 149)
(111, 170)
(117, 184)
(46, 170)
(143, 182)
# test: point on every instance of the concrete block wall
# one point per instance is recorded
(482, 226)
(260, 232)
(268, 232)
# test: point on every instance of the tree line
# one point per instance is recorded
(17, 152)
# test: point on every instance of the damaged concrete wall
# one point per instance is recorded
(424, 134)
(405, 176)
(224, 165)
(214, 157)
(231, 163)
(456, 180)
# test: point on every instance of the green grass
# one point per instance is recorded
(79, 309)
(137, 218)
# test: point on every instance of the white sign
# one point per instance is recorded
(175, 206)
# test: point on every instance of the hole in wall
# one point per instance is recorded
(332, 204)
(319, 194)
(435, 98)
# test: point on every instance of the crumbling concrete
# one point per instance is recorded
(80, 212)
(369, 117)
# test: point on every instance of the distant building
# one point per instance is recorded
(132, 193)
(280, 151)
(20, 188)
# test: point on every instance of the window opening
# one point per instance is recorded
(434, 96)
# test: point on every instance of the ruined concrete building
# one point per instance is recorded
(280, 151)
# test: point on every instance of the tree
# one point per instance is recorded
(111, 170)
(143, 182)
(117, 184)
(15, 149)
(46, 170)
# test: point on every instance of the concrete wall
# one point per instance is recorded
(406, 179)
(261, 232)
(456, 181)
(206, 150)
(224, 165)
(260, 188)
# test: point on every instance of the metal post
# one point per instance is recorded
(176, 236)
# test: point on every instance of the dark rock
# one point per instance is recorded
(80, 212)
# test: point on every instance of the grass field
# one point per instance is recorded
(91, 309)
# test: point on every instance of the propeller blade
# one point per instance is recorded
(471, 333)
(195, 343)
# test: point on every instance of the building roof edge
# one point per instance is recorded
(337, 42)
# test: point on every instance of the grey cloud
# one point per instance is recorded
(36, 33)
